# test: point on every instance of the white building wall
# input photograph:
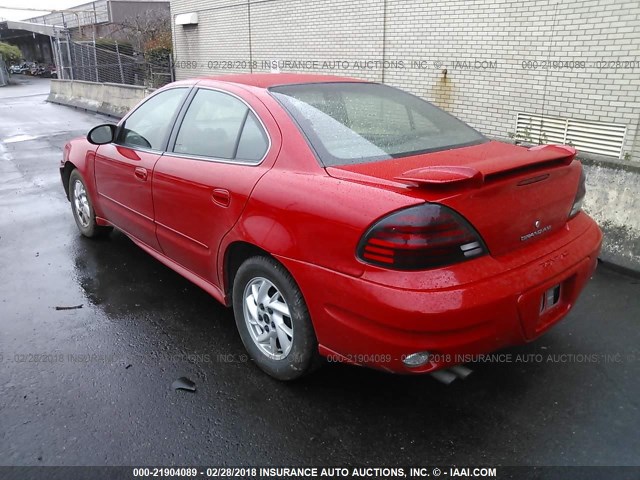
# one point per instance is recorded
(493, 37)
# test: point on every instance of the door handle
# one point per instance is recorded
(141, 173)
(221, 197)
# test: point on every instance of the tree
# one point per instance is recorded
(150, 34)
(10, 53)
(148, 30)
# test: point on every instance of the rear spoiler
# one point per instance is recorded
(477, 173)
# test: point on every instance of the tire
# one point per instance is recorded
(284, 346)
(82, 207)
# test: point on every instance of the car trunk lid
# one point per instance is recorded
(512, 195)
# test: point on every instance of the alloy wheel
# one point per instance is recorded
(268, 319)
(81, 202)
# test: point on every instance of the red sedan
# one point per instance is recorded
(341, 218)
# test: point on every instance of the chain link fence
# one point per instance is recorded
(111, 63)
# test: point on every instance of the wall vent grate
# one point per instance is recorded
(590, 137)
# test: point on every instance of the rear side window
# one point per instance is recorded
(253, 141)
(148, 126)
(219, 125)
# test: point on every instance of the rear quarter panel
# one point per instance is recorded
(313, 218)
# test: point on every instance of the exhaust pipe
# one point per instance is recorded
(444, 376)
(461, 371)
(448, 375)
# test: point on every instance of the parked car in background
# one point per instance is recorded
(35, 69)
(20, 68)
(341, 218)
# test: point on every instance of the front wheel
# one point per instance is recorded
(273, 320)
(82, 208)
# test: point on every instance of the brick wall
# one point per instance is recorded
(481, 43)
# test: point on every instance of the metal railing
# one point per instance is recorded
(4, 73)
(108, 64)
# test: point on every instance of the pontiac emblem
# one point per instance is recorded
(537, 223)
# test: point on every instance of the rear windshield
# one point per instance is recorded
(350, 123)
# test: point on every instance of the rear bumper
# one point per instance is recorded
(498, 304)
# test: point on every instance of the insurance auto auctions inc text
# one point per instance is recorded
(376, 472)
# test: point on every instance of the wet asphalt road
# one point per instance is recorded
(100, 392)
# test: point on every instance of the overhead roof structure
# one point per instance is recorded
(49, 30)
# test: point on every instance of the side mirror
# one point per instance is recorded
(102, 134)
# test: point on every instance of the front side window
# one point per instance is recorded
(350, 123)
(149, 125)
(219, 125)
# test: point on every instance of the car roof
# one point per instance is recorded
(266, 80)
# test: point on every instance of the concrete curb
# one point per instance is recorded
(628, 272)
(110, 99)
(613, 201)
(67, 102)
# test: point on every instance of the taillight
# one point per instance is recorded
(577, 202)
(420, 237)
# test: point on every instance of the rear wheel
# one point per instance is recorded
(273, 320)
(82, 208)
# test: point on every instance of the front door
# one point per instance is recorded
(124, 169)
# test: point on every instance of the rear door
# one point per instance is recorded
(124, 169)
(222, 145)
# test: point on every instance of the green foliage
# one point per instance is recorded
(10, 53)
(522, 136)
(158, 55)
(525, 136)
